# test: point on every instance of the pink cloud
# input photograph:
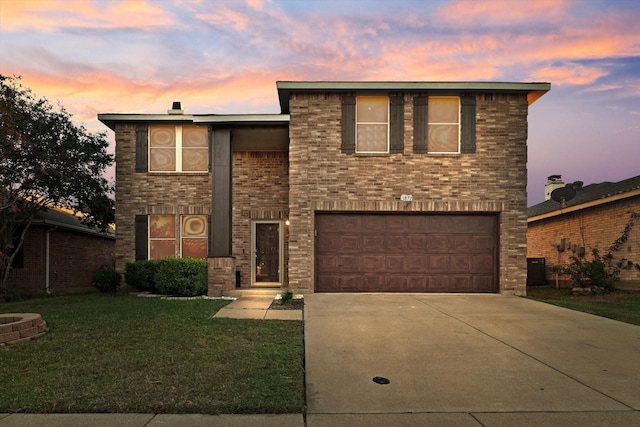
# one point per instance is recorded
(572, 74)
(501, 12)
(49, 15)
(223, 16)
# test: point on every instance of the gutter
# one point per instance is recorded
(47, 258)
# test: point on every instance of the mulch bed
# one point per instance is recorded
(295, 304)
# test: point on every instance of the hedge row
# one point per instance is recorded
(168, 276)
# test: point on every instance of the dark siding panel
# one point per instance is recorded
(209, 236)
(142, 237)
(221, 194)
(420, 123)
(142, 151)
(468, 132)
(348, 124)
(396, 132)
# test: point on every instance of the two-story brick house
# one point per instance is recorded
(355, 186)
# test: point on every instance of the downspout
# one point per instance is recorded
(47, 263)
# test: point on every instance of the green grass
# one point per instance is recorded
(619, 305)
(126, 354)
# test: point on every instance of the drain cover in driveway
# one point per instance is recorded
(381, 380)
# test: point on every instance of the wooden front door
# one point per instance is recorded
(267, 253)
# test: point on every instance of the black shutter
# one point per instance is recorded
(348, 124)
(468, 131)
(142, 151)
(420, 124)
(396, 124)
(210, 248)
(142, 237)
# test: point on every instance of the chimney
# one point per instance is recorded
(553, 182)
(176, 108)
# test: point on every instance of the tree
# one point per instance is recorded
(46, 161)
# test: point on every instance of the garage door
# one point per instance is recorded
(406, 253)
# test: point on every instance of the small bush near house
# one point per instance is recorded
(106, 279)
(140, 275)
(181, 276)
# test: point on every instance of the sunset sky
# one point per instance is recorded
(225, 56)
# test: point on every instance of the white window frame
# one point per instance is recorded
(388, 122)
(443, 123)
(178, 148)
(157, 239)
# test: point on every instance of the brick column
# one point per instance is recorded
(221, 274)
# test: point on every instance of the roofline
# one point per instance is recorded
(534, 90)
(585, 205)
(110, 119)
(76, 228)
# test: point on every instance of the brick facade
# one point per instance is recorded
(593, 227)
(491, 180)
(151, 193)
(73, 259)
(260, 192)
(308, 173)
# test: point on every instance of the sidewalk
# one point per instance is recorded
(149, 420)
(256, 306)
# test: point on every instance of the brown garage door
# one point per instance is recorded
(406, 253)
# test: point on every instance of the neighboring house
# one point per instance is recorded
(355, 187)
(60, 254)
(594, 218)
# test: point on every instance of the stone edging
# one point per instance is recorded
(16, 328)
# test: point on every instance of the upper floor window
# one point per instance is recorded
(178, 148)
(372, 124)
(443, 125)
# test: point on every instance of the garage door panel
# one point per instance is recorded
(416, 242)
(372, 262)
(438, 243)
(373, 243)
(438, 263)
(414, 263)
(483, 263)
(461, 263)
(406, 252)
(372, 223)
(394, 243)
(393, 263)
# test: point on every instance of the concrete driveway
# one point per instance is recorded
(466, 360)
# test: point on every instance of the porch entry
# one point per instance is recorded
(266, 247)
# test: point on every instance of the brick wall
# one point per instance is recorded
(73, 259)
(260, 192)
(491, 180)
(151, 193)
(595, 227)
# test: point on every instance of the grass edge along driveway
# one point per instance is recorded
(110, 354)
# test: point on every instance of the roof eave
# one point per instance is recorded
(584, 205)
(110, 119)
(285, 88)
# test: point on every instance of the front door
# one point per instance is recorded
(267, 253)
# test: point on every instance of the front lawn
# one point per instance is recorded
(618, 305)
(128, 354)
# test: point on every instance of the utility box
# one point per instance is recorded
(536, 272)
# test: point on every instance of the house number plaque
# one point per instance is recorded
(406, 197)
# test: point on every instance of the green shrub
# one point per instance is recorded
(181, 276)
(140, 275)
(106, 279)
